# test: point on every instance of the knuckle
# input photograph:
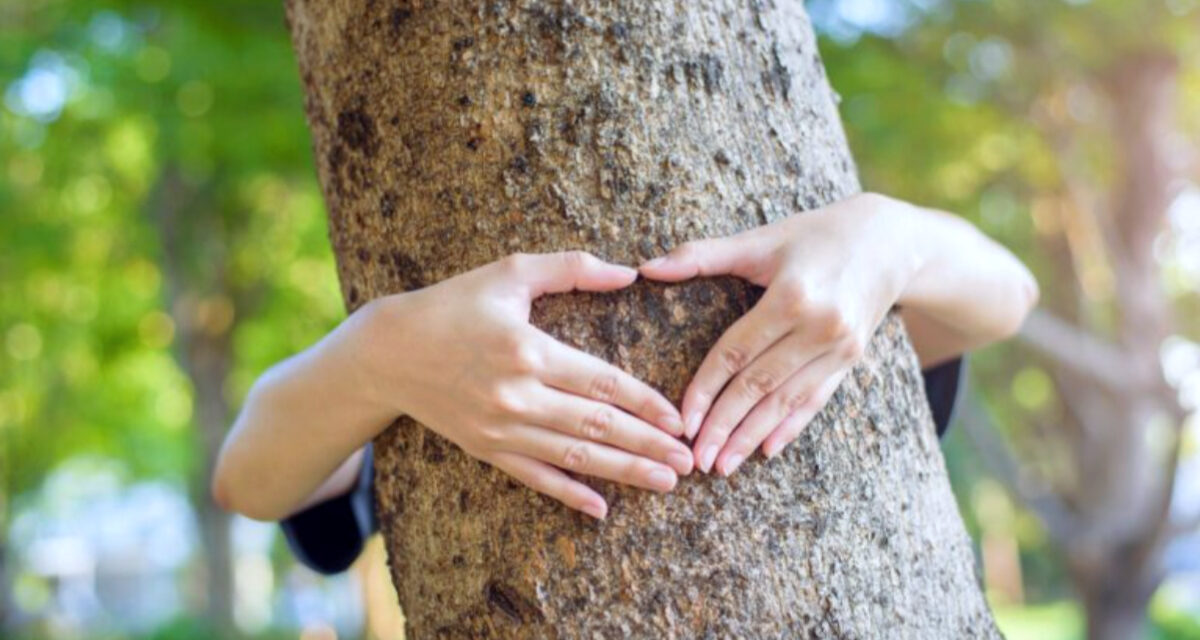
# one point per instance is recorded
(509, 344)
(794, 402)
(685, 250)
(577, 457)
(758, 382)
(575, 260)
(647, 407)
(513, 263)
(526, 358)
(832, 326)
(852, 348)
(603, 387)
(489, 436)
(507, 401)
(599, 424)
(640, 468)
(738, 443)
(794, 301)
(719, 431)
(733, 358)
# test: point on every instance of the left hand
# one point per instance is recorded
(831, 275)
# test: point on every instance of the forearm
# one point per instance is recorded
(967, 289)
(297, 438)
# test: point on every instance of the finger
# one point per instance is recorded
(794, 425)
(741, 343)
(600, 422)
(798, 393)
(544, 273)
(586, 375)
(786, 358)
(734, 255)
(547, 480)
(590, 458)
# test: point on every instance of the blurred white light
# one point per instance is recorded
(108, 30)
(991, 59)
(43, 91)
(1180, 357)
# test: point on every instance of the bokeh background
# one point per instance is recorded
(164, 241)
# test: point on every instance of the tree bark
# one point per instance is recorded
(450, 134)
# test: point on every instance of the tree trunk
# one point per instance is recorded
(450, 134)
(1116, 611)
(201, 308)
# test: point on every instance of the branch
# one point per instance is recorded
(1059, 520)
(1076, 349)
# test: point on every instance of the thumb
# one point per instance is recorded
(567, 271)
(732, 255)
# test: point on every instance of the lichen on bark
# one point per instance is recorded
(450, 134)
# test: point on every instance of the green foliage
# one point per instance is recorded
(194, 105)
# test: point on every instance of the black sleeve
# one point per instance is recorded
(328, 536)
(942, 387)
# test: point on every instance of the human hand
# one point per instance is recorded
(831, 275)
(462, 358)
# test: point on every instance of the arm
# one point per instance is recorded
(966, 292)
(461, 358)
(280, 456)
(831, 275)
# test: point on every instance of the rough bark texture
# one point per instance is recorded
(450, 134)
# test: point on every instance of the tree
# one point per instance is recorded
(1097, 142)
(131, 349)
(449, 137)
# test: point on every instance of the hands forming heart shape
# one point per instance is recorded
(478, 373)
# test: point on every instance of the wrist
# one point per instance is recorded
(905, 242)
(362, 342)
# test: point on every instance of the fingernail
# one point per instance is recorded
(627, 271)
(594, 510)
(707, 458)
(693, 424)
(673, 424)
(662, 479)
(659, 261)
(680, 461)
(773, 449)
(732, 463)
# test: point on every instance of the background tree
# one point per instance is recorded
(1096, 144)
(133, 217)
(449, 137)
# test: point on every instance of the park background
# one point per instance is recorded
(164, 241)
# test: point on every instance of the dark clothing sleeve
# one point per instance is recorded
(943, 384)
(328, 536)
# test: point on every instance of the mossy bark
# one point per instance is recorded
(450, 134)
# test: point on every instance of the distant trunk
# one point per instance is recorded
(202, 311)
(449, 134)
(1110, 509)
(7, 617)
(211, 357)
(1128, 482)
(1116, 611)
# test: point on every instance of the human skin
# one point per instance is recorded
(830, 276)
(461, 358)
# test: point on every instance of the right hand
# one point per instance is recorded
(461, 358)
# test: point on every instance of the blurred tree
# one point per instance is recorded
(150, 154)
(1074, 108)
